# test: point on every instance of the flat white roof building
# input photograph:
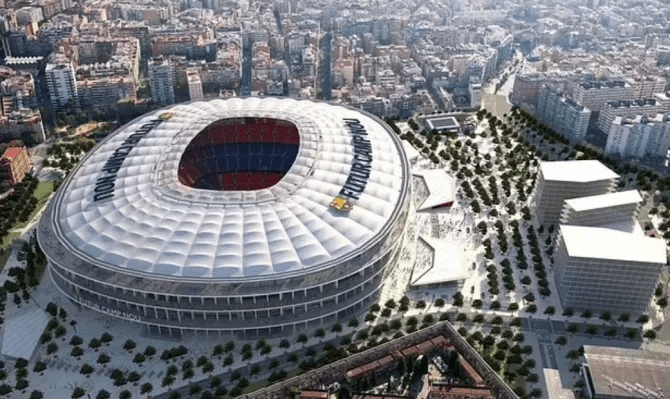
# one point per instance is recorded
(445, 267)
(561, 180)
(441, 188)
(604, 209)
(599, 268)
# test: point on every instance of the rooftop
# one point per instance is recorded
(576, 171)
(631, 373)
(604, 243)
(12, 152)
(447, 263)
(604, 201)
(441, 188)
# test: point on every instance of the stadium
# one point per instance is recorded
(239, 216)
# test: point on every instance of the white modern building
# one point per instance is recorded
(639, 137)
(618, 208)
(244, 216)
(62, 84)
(161, 81)
(604, 269)
(561, 180)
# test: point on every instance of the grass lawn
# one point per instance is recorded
(42, 193)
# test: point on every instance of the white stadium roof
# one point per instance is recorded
(604, 243)
(576, 171)
(154, 224)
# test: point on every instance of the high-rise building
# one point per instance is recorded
(645, 86)
(604, 269)
(639, 137)
(627, 109)
(594, 95)
(610, 209)
(194, 85)
(662, 55)
(561, 180)
(161, 81)
(62, 84)
(562, 114)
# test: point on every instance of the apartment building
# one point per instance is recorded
(646, 86)
(639, 137)
(161, 81)
(62, 83)
(594, 95)
(562, 114)
(14, 164)
(627, 109)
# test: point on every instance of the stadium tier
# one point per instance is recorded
(239, 216)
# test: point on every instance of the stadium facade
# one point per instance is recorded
(238, 216)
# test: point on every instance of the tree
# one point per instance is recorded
(102, 394)
(150, 351)
(284, 344)
(532, 308)
(662, 302)
(643, 319)
(78, 393)
(36, 395)
(624, 318)
(146, 388)
(592, 330)
(611, 332)
(125, 394)
(573, 328)
(561, 340)
(353, 323)
(513, 307)
(302, 339)
(421, 305)
(106, 338)
(572, 355)
(229, 347)
(631, 333)
(458, 300)
(336, 328)
(320, 333)
(568, 312)
(550, 310)
(650, 335)
(390, 304)
(439, 303)
(104, 358)
(587, 314)
(86, 369)
(477, 304)
(129, 345)
(606, 315)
